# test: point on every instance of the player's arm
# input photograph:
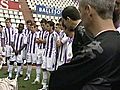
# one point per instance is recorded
(22, 48)
(39, 40)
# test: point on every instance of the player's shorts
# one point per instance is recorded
(49, 62)
(17, 58)
(24, 53)
(59, 63)
(31, 58)
(40, 53)
(8, 50)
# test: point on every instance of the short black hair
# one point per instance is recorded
(8, 19)
(43, 21)
(21, 24)
(51, 23)
(71, 12)
(29, 21)
(57, 24)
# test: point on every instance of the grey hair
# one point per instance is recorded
(104, 8)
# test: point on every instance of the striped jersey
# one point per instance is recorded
(42, 34)
(61, 50)
(1, 37)
(69, 53)
(51, 40)
(19, 39)
(32, 46)
(26, 31)
(8, 33)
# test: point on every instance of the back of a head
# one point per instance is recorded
(104, 8)
(71, 12)
(43, 21)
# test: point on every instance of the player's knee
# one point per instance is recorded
(11, 62)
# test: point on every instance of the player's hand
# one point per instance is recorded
(37, 41)
(58, 43)
(16, 52)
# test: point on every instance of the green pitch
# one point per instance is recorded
(23, 85)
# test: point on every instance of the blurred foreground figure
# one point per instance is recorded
(97, 65)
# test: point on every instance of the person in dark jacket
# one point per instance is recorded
(97, 65)
(72, 21)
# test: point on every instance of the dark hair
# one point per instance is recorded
(51, 23)
(43, 21)
(33, 24)
(29, 21)
(71, 12)
(8, 19)
(57, 24)
(21, 24)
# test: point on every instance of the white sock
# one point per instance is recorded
(8, 63)
(18, 70)
(38, 70)
(15, 65)
(45, 77)
(21, 72)
(29, 70)
(10, 70)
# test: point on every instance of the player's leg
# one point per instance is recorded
(19, 63)
(12, 60)
(38, 66)
(8, 52)
(45, 74)
(29, 67)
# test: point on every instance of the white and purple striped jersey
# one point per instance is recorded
(51, 40)
(42, 34)
(26, 31)
(8, 33)
(61, 50)
(32, 46)
(69, 53)
(19, 39)
(1, 37)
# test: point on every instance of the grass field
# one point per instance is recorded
(23, 85)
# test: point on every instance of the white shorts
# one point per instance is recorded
(49, 63)
(24, 53)
(8, 50)
(40, 53)
(59, 63)
(31, 58)
(17, 58)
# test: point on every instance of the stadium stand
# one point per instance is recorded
(20, 15)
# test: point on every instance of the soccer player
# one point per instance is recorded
(8, 33)
(32, 48)
(49, 59)
(61, 46)
(2, 45)
(41, 35)
(19, 41)
(26, 32)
